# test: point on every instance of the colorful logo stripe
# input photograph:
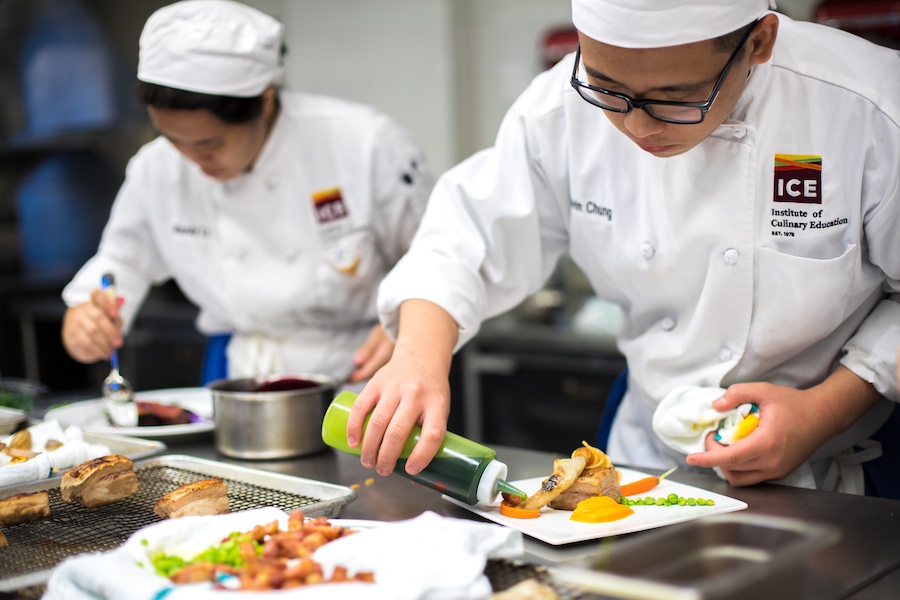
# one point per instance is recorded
(793, 162)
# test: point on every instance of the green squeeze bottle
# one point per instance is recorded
(461, 469)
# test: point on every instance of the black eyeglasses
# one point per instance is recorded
(681, 113)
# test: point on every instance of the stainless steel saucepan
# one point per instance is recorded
(277, 416)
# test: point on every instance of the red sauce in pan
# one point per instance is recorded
(287, 384)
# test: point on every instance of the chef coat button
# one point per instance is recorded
(731, 256)
(272, 183)
(724, 354)
(647, 250)
(668, 324)
(739, 132)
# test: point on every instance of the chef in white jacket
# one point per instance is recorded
(726, 175)
(277, 213)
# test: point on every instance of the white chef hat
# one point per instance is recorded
(659, 23)
(214, 47)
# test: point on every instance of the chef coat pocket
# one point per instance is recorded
(800, 301)
(347, 278)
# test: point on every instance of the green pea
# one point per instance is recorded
(691, 501)
(710, 502)
(682, 501)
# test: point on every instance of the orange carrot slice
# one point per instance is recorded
(644, 485)
(508, 510)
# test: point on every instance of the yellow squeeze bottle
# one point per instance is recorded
(461, 469)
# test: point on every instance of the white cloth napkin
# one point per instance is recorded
(74, 451)
(686, 415)
(35, 469)
(426, 558)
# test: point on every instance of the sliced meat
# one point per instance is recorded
(528, 589)
(592, 482)
(23, 508)
(565, 472)
(609, 484)
(99, 481)
(204, 497)
(152, 414)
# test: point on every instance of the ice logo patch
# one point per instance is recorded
(798, 178)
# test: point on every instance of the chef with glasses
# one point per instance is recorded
(726, 175)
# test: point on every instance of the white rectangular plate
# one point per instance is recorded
(555, 527)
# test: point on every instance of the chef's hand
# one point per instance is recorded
(91, 330)
(372, 355)
(412, 388)
(793, 424)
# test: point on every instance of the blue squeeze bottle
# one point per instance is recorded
(462, 469)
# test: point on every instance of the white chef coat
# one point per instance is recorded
(255, 254)
(715, 285)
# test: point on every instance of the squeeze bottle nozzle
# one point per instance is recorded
(505, 486)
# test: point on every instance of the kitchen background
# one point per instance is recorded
(445, 69)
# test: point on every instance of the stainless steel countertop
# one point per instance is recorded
(864, 564)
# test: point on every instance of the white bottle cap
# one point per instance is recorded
(487, 486)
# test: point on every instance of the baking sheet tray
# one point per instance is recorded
(132, 447)
(36, 548)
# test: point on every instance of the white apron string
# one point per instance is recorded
(845, 474)
(254, 356)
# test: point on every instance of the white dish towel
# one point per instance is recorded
(73, 452)
(429, 557)
(686, 415)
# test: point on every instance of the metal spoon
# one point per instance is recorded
(117, 391)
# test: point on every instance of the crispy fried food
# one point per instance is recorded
(603, 481)
(275, 559)
(21, 440)
(18, 453)
(204, 497)
(23, 508)
(528, 589)
(99, 481)
(565, 472)
(3, 540)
